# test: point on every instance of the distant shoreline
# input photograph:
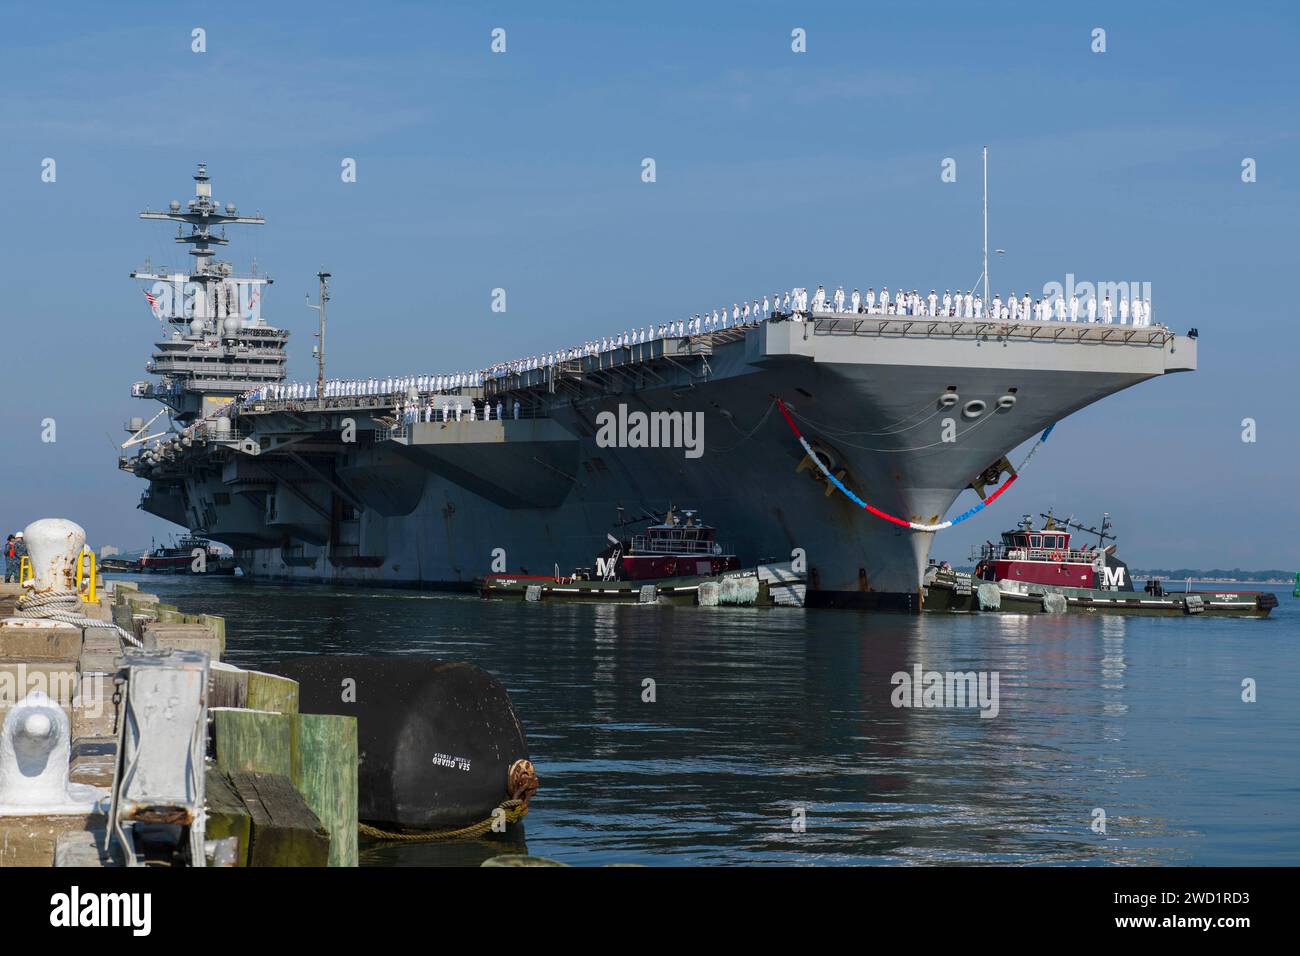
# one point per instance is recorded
(1196, 580)
(1198, 577)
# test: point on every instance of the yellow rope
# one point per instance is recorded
(515, 810)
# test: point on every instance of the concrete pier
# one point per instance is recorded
(292, 798)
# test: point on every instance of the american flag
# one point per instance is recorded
(153, 301)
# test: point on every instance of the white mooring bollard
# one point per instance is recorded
(52, 546)
(35, 747)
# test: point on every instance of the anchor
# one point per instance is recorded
(829, 459)
(992, 475)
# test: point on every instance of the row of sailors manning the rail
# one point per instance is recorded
(971, 306)
(410, 412)
(796, 303)
(350, 388)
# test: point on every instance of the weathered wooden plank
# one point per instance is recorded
(87, 848)
(122, 616)
(284, 830)
(23, 643)
(325, 771)
(272, 692)
(252, 740)
(31, 841)
(159, 636)
(227, 816)
(228, 686)
(217, 625)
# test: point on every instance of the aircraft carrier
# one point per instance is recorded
(904, 413)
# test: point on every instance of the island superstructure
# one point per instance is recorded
(903, 413)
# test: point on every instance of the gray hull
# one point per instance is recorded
(438, 504)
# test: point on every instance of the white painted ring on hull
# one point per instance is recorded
(974, 408)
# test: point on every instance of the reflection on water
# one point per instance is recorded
(759, 714)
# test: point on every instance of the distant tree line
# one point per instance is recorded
(1275, 575)
(1236, 574)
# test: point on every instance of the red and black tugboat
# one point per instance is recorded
(180, 558)
(676, 560)
(678, 546)
(1041, 570)
(1044, 556)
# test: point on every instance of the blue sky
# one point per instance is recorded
(775, 169)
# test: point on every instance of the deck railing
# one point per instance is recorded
(658, 545)
(1046, 555)
(856, 323)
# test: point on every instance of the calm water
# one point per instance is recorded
(760, 712)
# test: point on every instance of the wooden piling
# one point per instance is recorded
(325, 771)
(252, 740)
(226, 814)
(272, 692)
(283, 829)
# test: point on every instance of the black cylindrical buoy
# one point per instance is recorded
(436, 739)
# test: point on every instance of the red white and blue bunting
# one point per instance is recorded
(902, 522)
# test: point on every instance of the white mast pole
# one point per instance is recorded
(324, 277)
(986, 227)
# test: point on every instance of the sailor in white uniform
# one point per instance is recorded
(1074, 307)
(839, 299)
(1092, 308)
(934, 303)
(1123, 310)
(997, 306)
(947, 302)
(1107, 311)
(819, 300)
(979, 307)
(1060, 307)
(855, 301)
